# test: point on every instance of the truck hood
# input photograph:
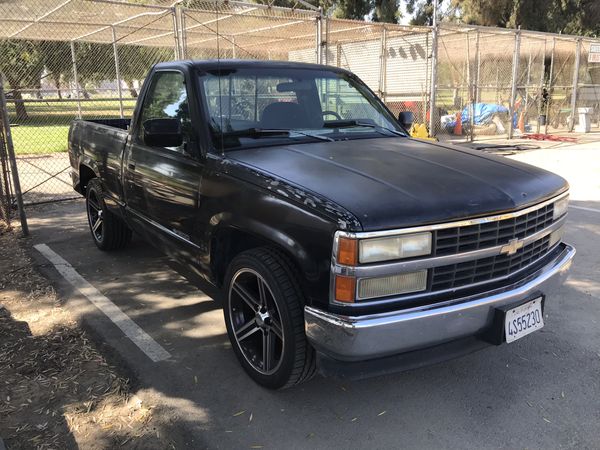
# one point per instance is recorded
(399, 182)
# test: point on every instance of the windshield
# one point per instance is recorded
(249, 107)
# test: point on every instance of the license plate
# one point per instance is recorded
(523, 320)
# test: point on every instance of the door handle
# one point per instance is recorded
(131, 166)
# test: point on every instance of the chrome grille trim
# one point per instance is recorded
(382, 269)
(441, 226)
(425, 294)
(451, 241)
(485, 269)
(432, 261)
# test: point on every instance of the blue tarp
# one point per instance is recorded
(482, 113)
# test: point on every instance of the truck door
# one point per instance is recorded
(162, 183)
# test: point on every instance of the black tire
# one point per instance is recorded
(108, 230)
(296, 362)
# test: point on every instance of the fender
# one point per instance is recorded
(221, 224)
(87, 161)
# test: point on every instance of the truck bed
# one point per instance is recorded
(123, 124)
(99, 144)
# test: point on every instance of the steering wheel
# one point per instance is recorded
(332, 113)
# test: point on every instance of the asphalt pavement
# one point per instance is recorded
(542, 391)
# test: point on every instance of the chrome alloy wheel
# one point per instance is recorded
(256, 321)
(95, 218)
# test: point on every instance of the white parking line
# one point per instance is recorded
(139, 337)
(585, 209)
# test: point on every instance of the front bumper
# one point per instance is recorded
(358, 338)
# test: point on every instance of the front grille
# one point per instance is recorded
(474, 237)
(485, 269)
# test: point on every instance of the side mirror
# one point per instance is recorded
(406, 119)
(162, 133)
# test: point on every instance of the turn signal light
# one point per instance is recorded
(345, 288)
(347, 251)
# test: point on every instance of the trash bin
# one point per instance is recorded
(584, 124)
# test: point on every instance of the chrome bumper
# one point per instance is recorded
(356, 338)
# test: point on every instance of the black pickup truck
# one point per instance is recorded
(333, 239)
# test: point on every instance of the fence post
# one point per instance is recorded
(319, 37)
(383, 64)
(117, 72)
(550, 86)
(182, 36)
(76, 79)
(575, 83)
(477, 78)
(470, 91)
(433, 81)
(176, 34)
(13, 160)
(326, 43)
(541, 88)
(513, 88)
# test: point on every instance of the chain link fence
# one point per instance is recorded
(5, 180)
(68, 59)
(510, 83)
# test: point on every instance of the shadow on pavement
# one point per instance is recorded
(536, 392)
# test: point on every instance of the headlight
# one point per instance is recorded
(394, 247)
(560, 207)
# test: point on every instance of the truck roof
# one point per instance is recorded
(211, 64)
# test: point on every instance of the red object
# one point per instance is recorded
(458, 126)
(521, 123)
(548, 137)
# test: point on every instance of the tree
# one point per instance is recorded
(421, 11)
(325, 4)
(56, 58)
(95, 63)
(556, 16)
(21, 64)
(386, 11)
(352, 9)
(135, 60)
(493, 13)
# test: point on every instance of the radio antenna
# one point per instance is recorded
(219, 78)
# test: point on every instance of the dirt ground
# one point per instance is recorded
(57, 391)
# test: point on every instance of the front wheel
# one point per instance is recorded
(108, 231)
(265, 321)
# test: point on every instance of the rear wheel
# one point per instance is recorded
(265, 320)
(108, 231)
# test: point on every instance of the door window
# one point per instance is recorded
(167, 99)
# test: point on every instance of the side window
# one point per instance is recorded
(167, 99)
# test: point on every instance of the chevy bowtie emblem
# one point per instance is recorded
(512, 247)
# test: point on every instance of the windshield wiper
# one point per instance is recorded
(256, 132)
(316, 136)
(360, 123)
(264, 132)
